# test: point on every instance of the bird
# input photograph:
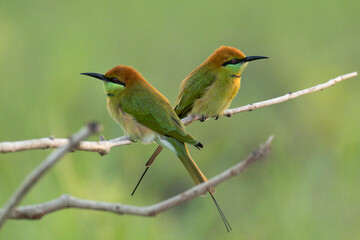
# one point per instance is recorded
(209, 89)
(145, 115)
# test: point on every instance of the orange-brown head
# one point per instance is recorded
(120, 75)
(224, 54)
(125, 75)
(118, 78)
(228, 55)
(230, 59)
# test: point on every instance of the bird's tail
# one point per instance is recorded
(154, 155)
(195, 173)
(152, 159)
(147, 165)
(183, 154)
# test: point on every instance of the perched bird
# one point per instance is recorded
(146, 115)
(209, 89)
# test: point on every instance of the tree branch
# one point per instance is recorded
(273, 101)
(37, 211)
(103, 147)
(39, 171)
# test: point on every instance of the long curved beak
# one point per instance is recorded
(253, 58)
(96, 75)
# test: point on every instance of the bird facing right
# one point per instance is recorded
(209, 89)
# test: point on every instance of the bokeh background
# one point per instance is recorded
(307, 189)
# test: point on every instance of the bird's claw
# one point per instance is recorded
(203, 118)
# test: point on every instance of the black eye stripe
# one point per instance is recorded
(116, 80)
(232, 62)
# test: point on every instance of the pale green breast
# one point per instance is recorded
(217, 97)
(128, 123)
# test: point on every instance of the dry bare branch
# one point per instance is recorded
(40, 170)
(273, 101)
(103, 147)
(37, 211)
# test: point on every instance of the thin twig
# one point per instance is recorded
(39, 171)
(103, 147)
(37, 211)
(273, 101)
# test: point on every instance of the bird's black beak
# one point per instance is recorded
(253, 58)
(106, 79)
(96, 75)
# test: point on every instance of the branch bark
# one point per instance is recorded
(39, 171)
(103, 147)
(37, 211)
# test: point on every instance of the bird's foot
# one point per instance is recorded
(228, 115)
(203, 118)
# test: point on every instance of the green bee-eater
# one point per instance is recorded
(146, 115)
(210, 88)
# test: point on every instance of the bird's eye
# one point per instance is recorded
(231, 62)
(115, 79)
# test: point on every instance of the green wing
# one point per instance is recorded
(153, 110)
(192, 89)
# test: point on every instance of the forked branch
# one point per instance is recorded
(40, 170)
(37, 211)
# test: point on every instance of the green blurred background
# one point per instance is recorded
(307, 189)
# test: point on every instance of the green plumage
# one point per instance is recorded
(183, 154)
(210, 88)
(146, 115)
(192, 89)
(152, 110)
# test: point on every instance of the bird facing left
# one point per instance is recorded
(146, 115)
